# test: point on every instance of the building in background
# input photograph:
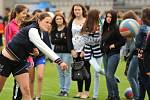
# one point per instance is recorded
(65, 5)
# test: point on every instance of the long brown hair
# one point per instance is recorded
(146, 16)
(92, 22)
(35, 19)
(72, 15)
(130, 14)
(16, 10)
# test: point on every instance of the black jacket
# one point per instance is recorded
(112, 36)
(21, 46)
(69, 35)
(59, 40)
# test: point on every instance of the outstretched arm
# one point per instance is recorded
(36, 40)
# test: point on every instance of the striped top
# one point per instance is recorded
(93, 49)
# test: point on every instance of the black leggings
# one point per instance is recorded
(87, 81)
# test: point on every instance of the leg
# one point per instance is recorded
(31, 79)
(17, 95)
(40, 79)
(113, 62)
(23, 81)
(61, 77)
(142, 90)
(66, 57)
(96, 84)
(80, 87)
(2, 82)
(147, 85)
(79, 83)
(132, 75)
(97, 64)
(87, 81)
(109, 87)
(148, 92)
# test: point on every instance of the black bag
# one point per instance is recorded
(79, 72)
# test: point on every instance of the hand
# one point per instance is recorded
(74, 54)
(111, 46)
(30, 60)
(31, 64)
(35, 52)
(148, 73)
(63, 66)
(82, 54)
(140, 54)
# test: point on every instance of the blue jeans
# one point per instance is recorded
(97, 64)
(132, 76)
(110, 66)
(65, 76)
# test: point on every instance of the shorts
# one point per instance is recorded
(39, 60)
(1, 40)
(8, 66)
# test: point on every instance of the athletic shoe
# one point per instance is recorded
(61, 93)
(37, 98)
(94, 99)
(117, 79)
(65, 93)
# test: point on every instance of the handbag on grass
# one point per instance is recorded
(79, 71)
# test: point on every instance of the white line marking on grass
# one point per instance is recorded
(46, 94)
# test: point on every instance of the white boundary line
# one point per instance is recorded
(46, 94)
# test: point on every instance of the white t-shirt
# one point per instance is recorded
(76, 37)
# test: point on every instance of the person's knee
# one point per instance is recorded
(40, 77)
(129, 77)
(31, 81)
(25, 90)
(109, 76)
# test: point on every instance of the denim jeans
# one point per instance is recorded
(65, 76)
(132, 76)
(110, 66)
(97, 65)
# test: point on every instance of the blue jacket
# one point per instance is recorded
(141, 37)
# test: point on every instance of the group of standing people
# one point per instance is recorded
(137, 70)
(82, 39)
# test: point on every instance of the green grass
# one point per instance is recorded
(51, 85)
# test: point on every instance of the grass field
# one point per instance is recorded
(51, 85)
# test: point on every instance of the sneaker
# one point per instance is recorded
(102, 72)
(116, 98)
(117, 79)
(109, 98)
(65, 93)
(94, 98)
(37, 98)
(60, 93)
(85, 95)
(78, 95)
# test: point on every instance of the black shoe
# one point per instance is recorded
(65, 93)
(37, 98)
(116, 98)
(94, 99)
(61, 93)
(117, 79)
(109, 98)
